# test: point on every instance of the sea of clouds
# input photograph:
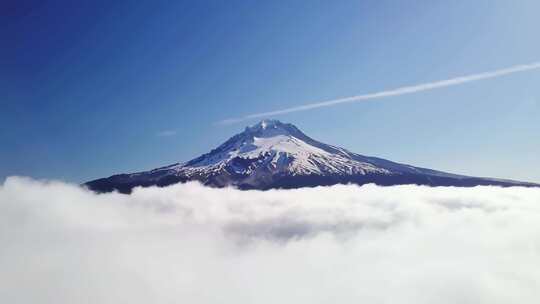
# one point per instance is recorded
(188, 243)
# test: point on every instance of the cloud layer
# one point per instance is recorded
(344, 244)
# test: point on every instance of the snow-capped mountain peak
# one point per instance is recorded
(272, 154)
(271, 127)
(271, 147)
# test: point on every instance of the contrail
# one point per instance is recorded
(395, 92)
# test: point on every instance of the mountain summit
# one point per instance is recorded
(272, 154)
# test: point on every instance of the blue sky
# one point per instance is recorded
(89, 90)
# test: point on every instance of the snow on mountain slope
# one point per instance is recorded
(272, 154)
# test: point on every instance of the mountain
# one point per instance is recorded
(272, 154)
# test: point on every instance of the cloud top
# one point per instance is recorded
(193, 244)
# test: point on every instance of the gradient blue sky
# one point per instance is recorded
(92, 89)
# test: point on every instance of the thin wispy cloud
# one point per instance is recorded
(166, 133)
(394, 92)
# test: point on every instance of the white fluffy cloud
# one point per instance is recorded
(341, 244)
